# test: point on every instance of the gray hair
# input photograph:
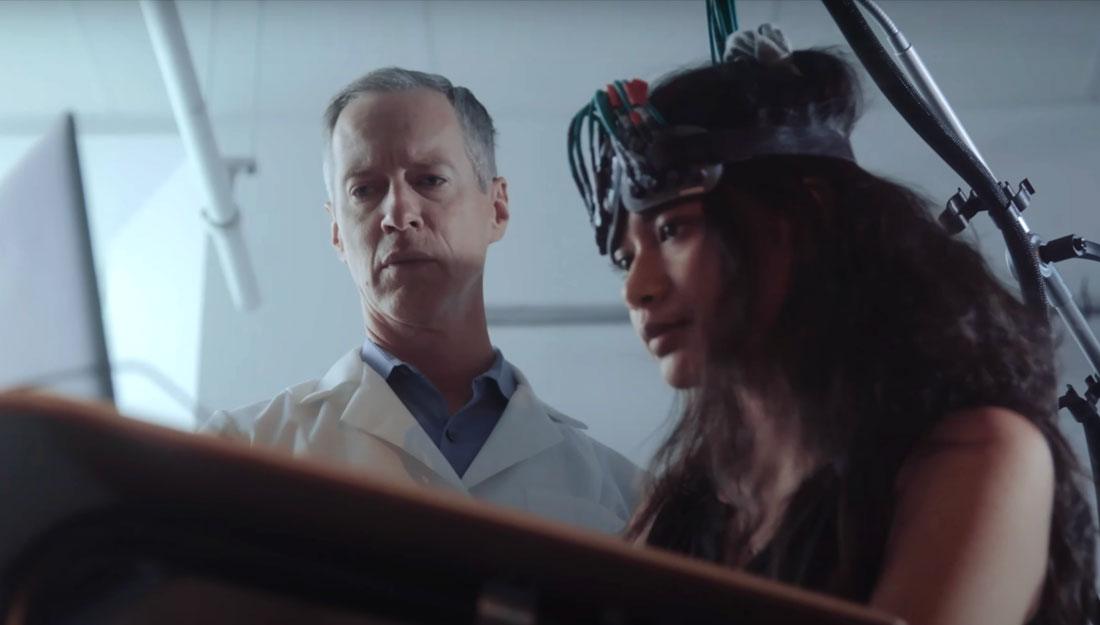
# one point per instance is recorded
(477, 125)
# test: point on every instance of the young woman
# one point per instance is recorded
(868, 411)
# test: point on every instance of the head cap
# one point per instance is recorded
(625, 158)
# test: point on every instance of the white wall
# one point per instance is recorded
(151, 247)
(148, 246)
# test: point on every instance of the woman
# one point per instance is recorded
(868, 412)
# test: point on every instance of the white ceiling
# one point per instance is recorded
(522, 58)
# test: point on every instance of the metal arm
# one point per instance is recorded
(215, 173)
(925, 109)
(922, 80)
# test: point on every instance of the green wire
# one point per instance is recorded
(715, 53)
(620, 88)
(721, 23)
(660, 119)
(576, 153)
(604, 114)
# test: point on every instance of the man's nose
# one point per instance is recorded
(401, 210)
(647, 282)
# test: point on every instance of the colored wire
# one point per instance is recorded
(721, 23)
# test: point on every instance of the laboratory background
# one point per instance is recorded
(1023, 77)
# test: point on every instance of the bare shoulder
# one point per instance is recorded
(988, 425)
(969, 538)
(999, 440)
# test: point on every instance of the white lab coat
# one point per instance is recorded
(536, 459)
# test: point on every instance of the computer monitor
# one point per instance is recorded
(51, 324)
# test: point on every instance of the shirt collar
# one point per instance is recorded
(380, 360)
(384, 364)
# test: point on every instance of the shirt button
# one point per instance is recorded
(450, 434)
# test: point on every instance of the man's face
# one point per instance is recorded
(408, 216)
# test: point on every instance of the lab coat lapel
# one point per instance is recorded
(376, 410)
(524, 430)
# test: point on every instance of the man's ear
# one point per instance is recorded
(499, 196)
(337, 242)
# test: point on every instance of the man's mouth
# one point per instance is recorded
(405, 259)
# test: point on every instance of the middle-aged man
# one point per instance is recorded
(415, 202)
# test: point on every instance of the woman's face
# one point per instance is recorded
(672, 282)
(674, 278)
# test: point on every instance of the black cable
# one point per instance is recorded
(140, 368)
(906, 99)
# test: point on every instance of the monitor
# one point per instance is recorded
(51, 324)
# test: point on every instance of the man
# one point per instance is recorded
(415, 202)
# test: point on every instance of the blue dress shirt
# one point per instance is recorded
(459, 436)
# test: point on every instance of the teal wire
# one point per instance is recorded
(604, 114)
(721, 23)
(576, 154)
(620, 88)
(712, 33)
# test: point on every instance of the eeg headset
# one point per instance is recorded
(626, 158)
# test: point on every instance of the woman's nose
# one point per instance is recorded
(646, 283)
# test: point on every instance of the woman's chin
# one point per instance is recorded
(678, 371)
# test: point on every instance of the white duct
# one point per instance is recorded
(221, 215)
(529, 316)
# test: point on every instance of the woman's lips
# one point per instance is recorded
(662, 338)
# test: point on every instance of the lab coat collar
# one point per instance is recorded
(375, 409)
(525, 429)
(346, 370)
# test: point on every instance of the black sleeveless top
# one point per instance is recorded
(813, 550)
(810, 556)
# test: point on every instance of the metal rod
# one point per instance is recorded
(1075, 321)
(921, 78)
(502, 316)
(222, 217)
(1054, 285)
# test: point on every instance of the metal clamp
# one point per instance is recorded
(235, 165)
(960, 210)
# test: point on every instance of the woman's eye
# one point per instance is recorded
(667, 230)
(621, 262)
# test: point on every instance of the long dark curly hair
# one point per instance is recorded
(889, 325)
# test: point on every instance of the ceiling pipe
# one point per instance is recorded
(215, 174)
(561, 315)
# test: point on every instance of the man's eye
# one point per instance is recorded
(432, 181)
(363, 191)
(621, 262)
